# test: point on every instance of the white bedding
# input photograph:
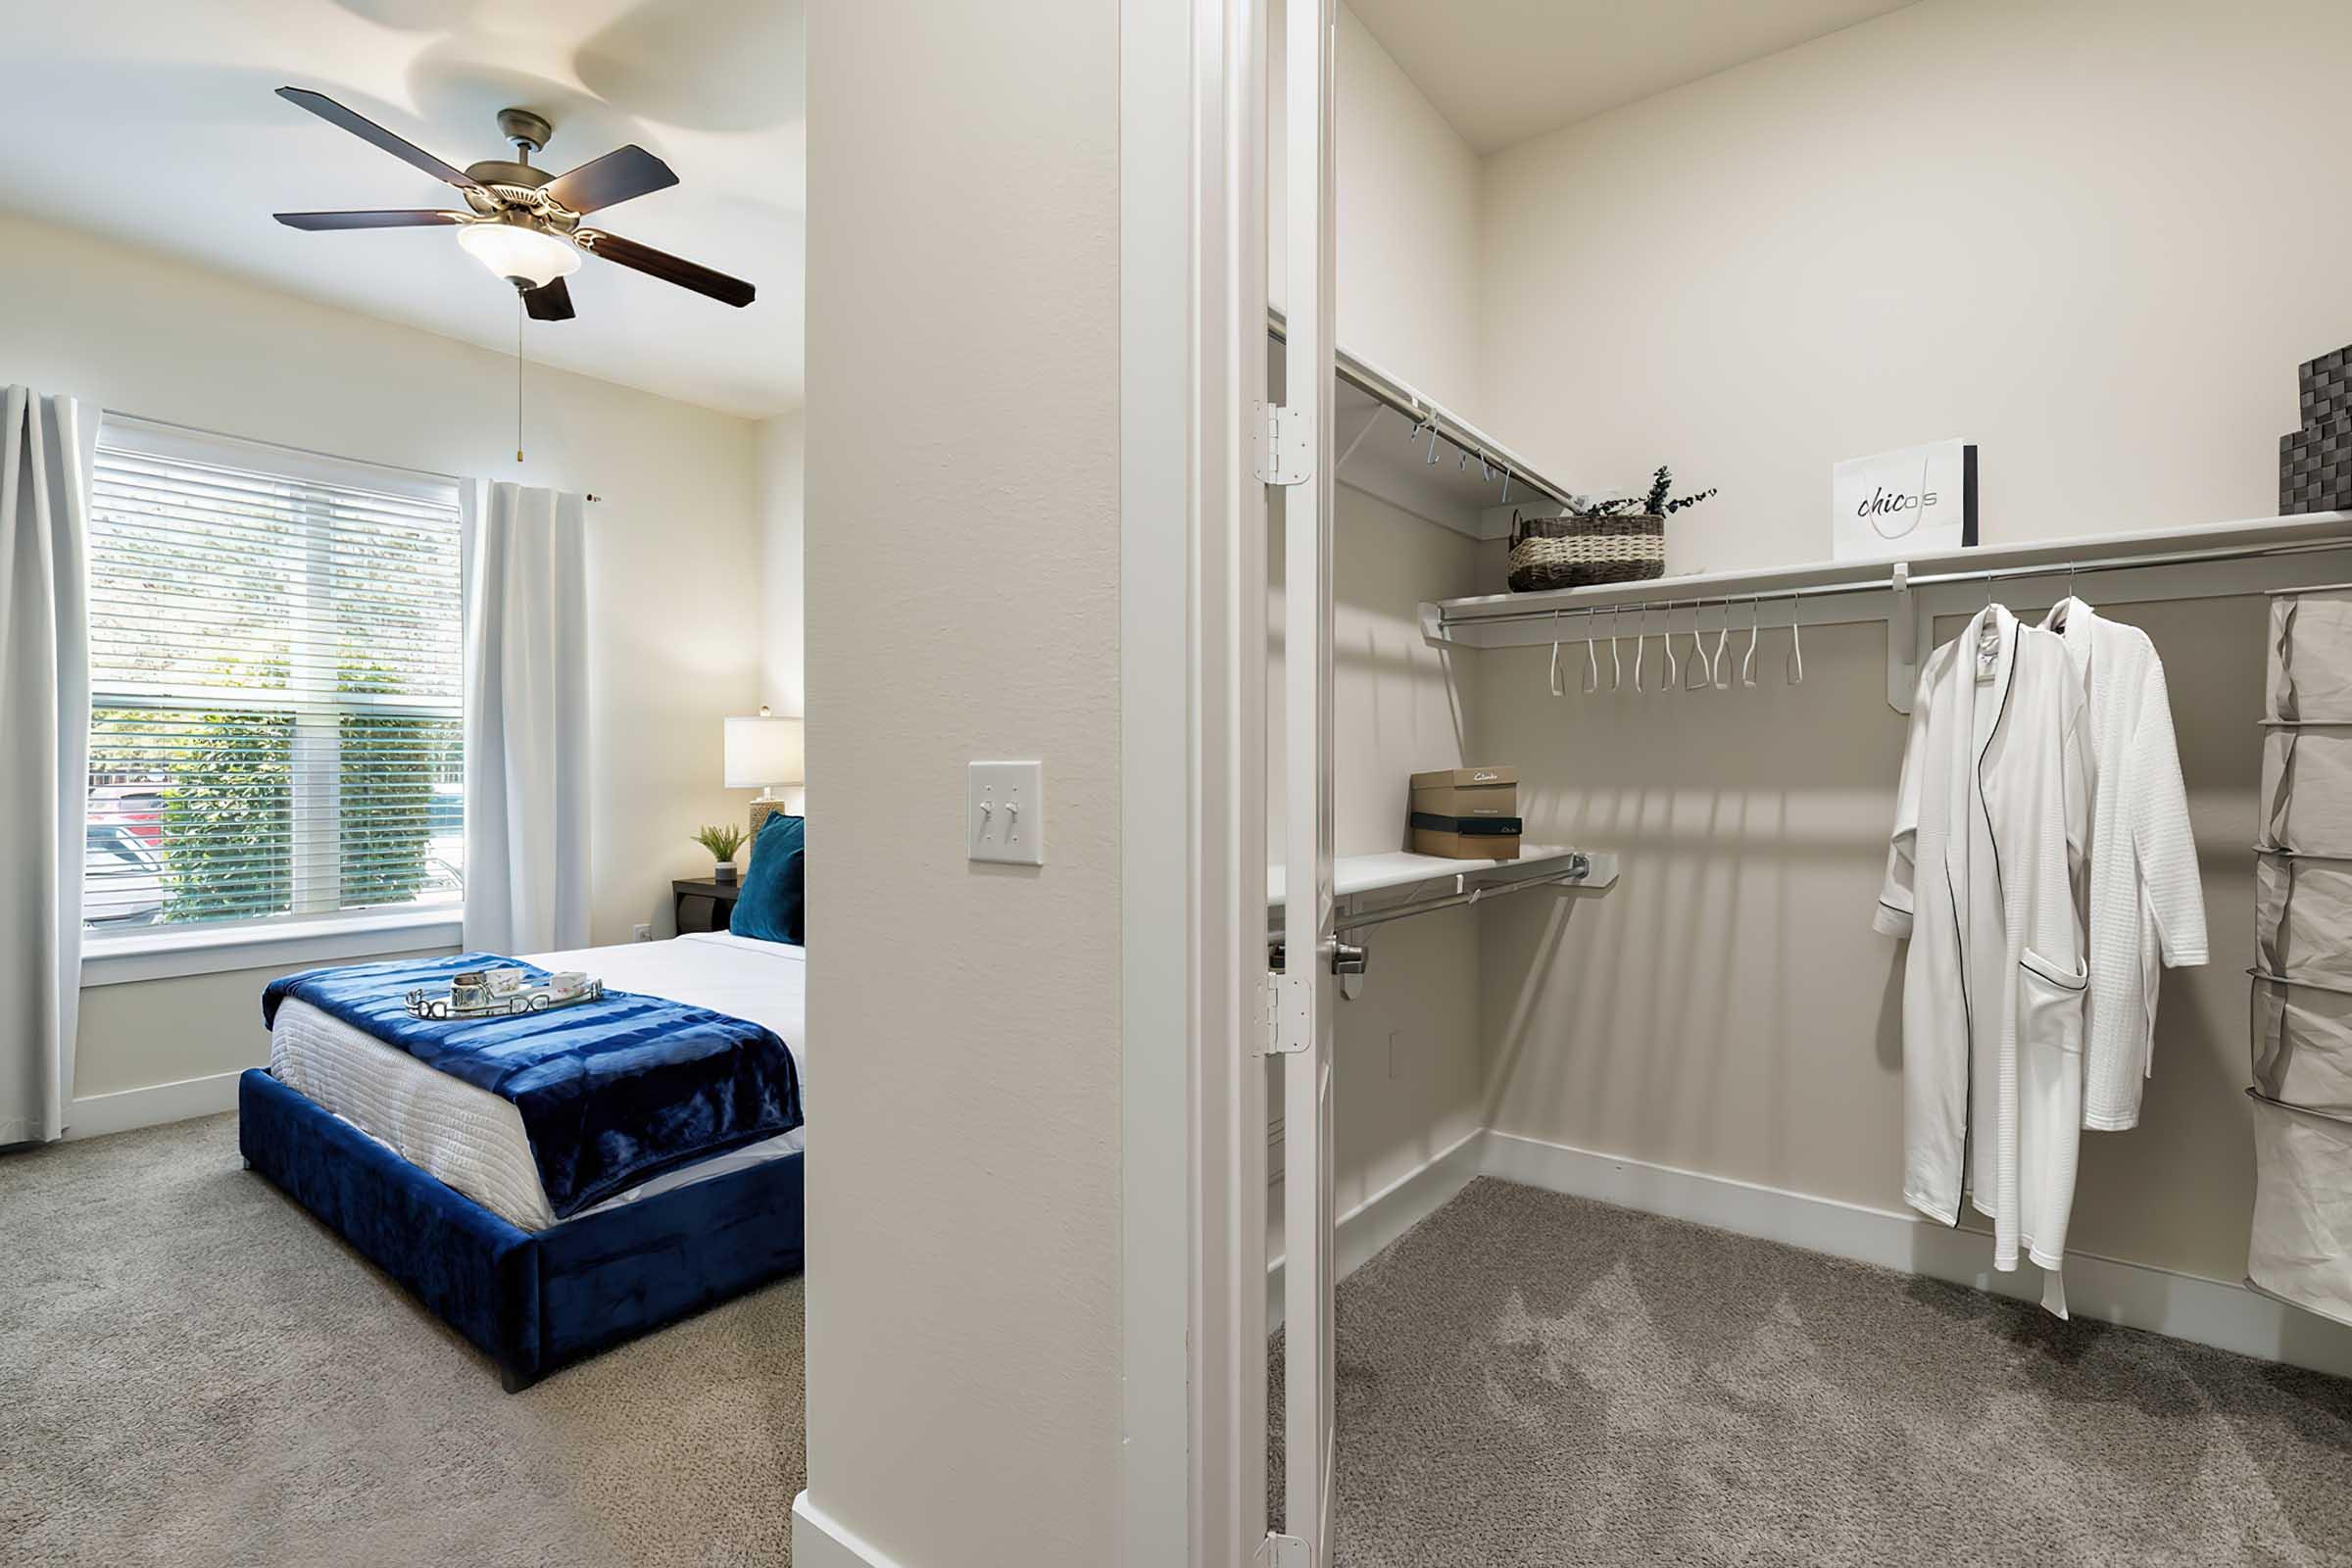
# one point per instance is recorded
(472, 1140)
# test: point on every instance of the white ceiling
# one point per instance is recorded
(1503, 70)
(157, 124)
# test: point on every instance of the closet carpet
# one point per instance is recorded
(194, 1371)
(1530, 1379)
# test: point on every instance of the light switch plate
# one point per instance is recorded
(1005, 812)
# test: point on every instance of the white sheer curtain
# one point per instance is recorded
(47, 445)
(526, 720)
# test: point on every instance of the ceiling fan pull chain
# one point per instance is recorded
(518, 378)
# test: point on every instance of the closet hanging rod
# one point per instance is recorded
(1387, 390)
(1577, 868)
(2050, 560)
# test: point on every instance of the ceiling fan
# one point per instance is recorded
(522, 223)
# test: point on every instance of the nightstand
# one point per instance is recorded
(703, 903)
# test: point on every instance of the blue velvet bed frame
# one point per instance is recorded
(531, 1300)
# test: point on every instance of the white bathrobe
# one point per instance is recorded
(2147, 906)
(1989, 828)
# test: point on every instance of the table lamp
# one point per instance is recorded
(764, 752)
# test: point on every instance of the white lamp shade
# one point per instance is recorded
(518, 253)
(762, 752)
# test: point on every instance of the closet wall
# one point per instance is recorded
(1406, 203)
(1406, 192)
(1408, 1049)
(2093, 237)
(2082, 234)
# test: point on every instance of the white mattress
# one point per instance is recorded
(472, 1140)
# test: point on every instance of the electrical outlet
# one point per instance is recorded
(1005, 812)
(641, 933)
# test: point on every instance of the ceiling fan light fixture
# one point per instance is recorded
(518, 223)
(527, 257)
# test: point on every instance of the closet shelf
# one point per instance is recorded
(2217, 560)
(1353, 875)
(1470, 489)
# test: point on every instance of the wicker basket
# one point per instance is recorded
(1573, 551)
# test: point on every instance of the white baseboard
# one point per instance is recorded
(1389, 1213)
(2216, 1313)
(818, 1542)
(96, 1115)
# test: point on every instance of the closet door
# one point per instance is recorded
(1308, 992)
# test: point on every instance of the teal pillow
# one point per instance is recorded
(773, 903)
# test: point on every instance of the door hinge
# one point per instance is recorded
(1288, 1000)
(1283, 1551)
(1284, 439)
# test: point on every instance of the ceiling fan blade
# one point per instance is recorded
(549, 302)
(668, 268)
(617, 176)
(412, 218)
(360, 125)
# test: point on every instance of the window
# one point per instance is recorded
(275, 674)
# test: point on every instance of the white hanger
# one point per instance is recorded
(1795, 669)
(1674, 668)
(1591, 658)
(1641, 644)
(2066, 606)
(1988, 636)
(1701, 666)
(1716, 668)
(1755, 625)
(1616, 665)
(1555, 653)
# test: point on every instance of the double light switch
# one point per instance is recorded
(1005, 812)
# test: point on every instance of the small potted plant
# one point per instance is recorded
(722, 843)
(1597, 541)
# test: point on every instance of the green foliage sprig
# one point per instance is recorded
(722, 842)
(1652, 504)
(1663, 482)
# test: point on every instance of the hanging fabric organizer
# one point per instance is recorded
(2300, 1013)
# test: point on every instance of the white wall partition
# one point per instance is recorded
(964, 1322)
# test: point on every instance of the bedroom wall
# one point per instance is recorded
(1769, 270)
(781, 456)
(963, 1313)
(674, 596)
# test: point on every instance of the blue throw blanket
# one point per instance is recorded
(613, 1093)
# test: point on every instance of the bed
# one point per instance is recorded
(433, 1179)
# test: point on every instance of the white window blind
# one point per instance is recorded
(275, 685)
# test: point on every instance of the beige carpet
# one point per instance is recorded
(193, 1371)
(1526, 1378)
